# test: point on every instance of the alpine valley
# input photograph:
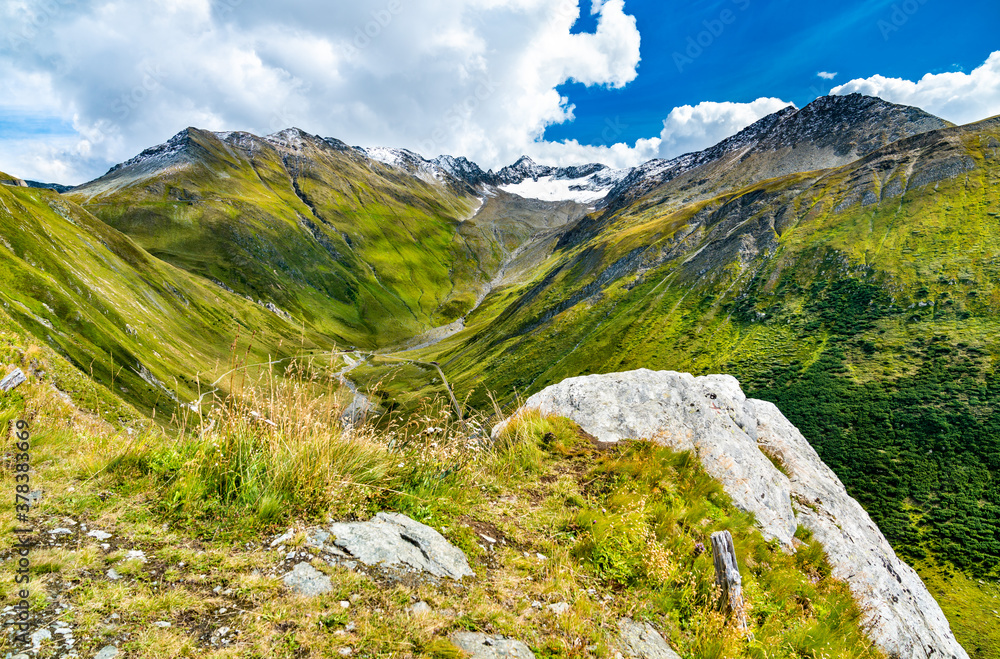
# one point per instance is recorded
(841, 261)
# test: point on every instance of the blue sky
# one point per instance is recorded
(85, 84)
(776, 49)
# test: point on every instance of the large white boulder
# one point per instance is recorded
(711, 417)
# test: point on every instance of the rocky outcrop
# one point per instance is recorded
(733, 437)
(483, 646)
(640, 640)
(393, 541)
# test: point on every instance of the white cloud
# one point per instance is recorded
(468, 77)
(958, 97)
(826, 75)
(691, 128)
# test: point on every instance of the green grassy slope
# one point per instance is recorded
(354, 248)
(863, 300)
(606, 533)
(139, 326)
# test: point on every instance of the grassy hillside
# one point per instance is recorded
(355, 249)
(607, 533)
(133, 324)
(863, 300)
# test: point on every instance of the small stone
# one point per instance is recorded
(350, 627)
(283, 538)
(304, 579)
(317, 538)
(107, 652)
(419, 609)
(100, 535)
(541, 557)
(222, 610)
(290, 555)
(345, 652)
(344, 604)
(135, 554)
(60, 531)
(39, 637)
(217, 590)
(115, 616)
(162, 624)
(113, 575)
(559, 608)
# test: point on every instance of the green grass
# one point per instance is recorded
(352, 251)
(611, 533)
(152, 334)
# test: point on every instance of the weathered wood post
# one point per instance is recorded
(727, 575)
(14, 379)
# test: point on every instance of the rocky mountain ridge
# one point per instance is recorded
(829, 132)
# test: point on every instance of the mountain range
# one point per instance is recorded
(842, 260)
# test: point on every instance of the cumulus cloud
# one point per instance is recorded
(826, 75)
(468, 77)
(691, 128)
(958, 97)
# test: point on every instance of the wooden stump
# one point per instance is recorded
(727, 575)
(14, 379)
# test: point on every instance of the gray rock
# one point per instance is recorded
(40, 637)
(99, 535)
(396, 541)
(283, 538)
(641, 640)
(482, 646)
(35, 498)
(135, 555)
(419, 609)
(316, 538)
(711, 417)
(107, 652)
(304, 579)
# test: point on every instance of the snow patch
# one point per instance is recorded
(585, 190)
